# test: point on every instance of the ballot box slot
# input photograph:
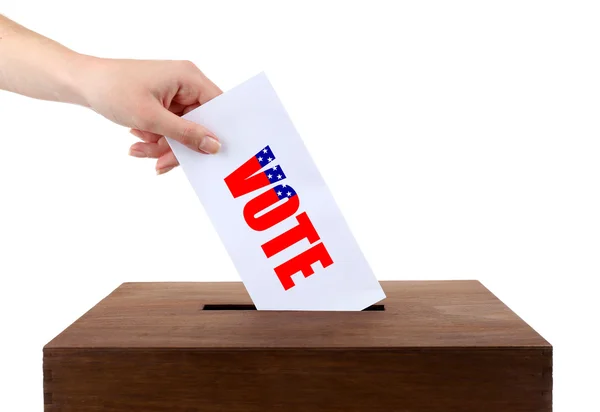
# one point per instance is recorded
(230, 307)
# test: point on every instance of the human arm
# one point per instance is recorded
(147, 96)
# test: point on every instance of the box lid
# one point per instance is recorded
(417, 314)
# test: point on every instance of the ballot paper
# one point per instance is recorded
(272, 210)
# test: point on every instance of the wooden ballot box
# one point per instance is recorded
(435, 346)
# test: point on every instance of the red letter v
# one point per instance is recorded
(245, 180)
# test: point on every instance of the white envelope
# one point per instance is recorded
(272, 209)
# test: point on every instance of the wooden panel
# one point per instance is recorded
(417, 314)
(407, 380)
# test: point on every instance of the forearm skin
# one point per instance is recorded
(35, 66)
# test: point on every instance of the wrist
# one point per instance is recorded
(79, 77)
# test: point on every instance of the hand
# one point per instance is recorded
(149, 97)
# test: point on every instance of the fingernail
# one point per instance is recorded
(209, 145)
(137, 153)
(165, 170)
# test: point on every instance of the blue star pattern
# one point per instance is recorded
(275, 174)
(284, 191)
(265, 156)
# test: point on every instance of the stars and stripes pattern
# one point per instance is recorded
(265, 156)
(275, 174)
(284, 191)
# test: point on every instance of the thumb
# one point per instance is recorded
(186, 132)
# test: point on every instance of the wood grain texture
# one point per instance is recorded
(438, 346)
(417, 314)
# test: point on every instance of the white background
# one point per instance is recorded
(460, 139)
